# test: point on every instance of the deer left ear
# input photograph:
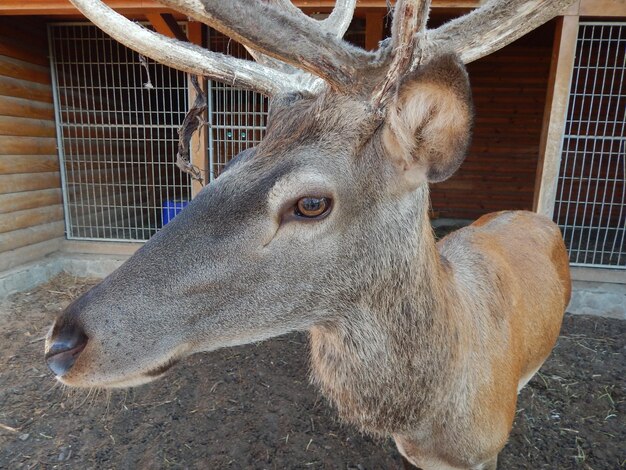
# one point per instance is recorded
(429, 123)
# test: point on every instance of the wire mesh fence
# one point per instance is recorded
(117, 121)
(237, 118)
(590, 202)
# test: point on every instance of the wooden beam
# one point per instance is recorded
(563, 55)
(198, 146)
(374, 29)
(141, 7)
(30, 217)
(614, 276)
(29, 182)
(166, 24)
(29, 200)
(12, 258)
(64, 7)
(98, 248)
(12, 164)
(31, 235)
(602, 8)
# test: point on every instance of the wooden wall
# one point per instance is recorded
(509, 89)
(31, 211)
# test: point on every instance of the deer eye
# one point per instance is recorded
(312, 207)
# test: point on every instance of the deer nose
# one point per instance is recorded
(65, 345)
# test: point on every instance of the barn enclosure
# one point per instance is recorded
(89, 131)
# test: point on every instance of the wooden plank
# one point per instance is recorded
(31, 235)
(20, 107)
(30, 217)
(23, 70)
(29, 182)
(559, 82)
(602, 8)
(99, 248)
(19, 126)
(165, 24)
(614, 276)
(24, 89)
(374, 26)
(18, 145)
(29, 200)
(64, 7)
(11, 164)
(11, 47)
(26, 254)
(198, 146)
(29, 32)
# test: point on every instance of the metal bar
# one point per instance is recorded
(588, 208)
(57, 121)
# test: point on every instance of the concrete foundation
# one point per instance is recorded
(598, 298)
(30, 275)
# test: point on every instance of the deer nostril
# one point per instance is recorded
(65, 346)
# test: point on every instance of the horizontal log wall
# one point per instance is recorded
(31, 211)
(509, 89)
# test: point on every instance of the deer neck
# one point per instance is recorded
(381, 360)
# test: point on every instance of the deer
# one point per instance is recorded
(324, 228)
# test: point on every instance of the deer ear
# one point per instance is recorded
(429, 124)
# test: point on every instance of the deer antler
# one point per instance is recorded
(337, 23)
(409, 24)
(294, 39)
(494, 25)
(340, 18)
(293, 49)
(185, 56)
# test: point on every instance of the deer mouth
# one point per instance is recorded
(162, 369)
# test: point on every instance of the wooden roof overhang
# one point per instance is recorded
(64, 8)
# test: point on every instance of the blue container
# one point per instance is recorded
(170, 209)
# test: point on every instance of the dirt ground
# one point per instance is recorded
(252, 407)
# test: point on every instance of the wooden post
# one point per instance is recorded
(555, 114)
(166, 24)
(374, 29)
(198, 147)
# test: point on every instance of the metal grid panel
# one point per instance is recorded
(590, 203)
(117, 135)
(237, 118)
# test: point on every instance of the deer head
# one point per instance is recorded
(310, 226)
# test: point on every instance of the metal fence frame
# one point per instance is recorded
(236, 117)
(595, 143)
(98, 128)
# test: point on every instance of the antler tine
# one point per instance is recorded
(291, 38)
(408, 26)
(305, 80)
(337, 23)
(340, 18)
(185, 56)
(493, 26)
